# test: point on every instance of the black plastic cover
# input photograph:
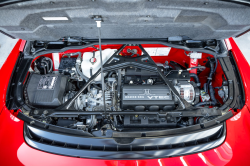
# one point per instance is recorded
(45, 90)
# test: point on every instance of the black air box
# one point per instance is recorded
(45, 90)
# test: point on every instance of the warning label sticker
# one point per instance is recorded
(158, 51)
(47, 82)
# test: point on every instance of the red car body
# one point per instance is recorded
(15, 151)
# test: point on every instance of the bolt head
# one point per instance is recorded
(36, 112)
(45, 112)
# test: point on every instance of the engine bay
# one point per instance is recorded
(144, 87)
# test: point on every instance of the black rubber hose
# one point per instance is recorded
(51, 67)
(110, 74)
(211, 91)
(205, 103)
(47, 65)
(78, 66)
(80, 73)
(78, 84)
(205, 87)
(97, 87)
(209, 79)
(211, 70)
(44, 70)
(196, 79)
(216, 63)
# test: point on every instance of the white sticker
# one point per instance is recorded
(56, 60)
(158, 51)
(55, 18)
(47, 82)
(195, 55)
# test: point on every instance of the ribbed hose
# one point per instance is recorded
(211, 70)
(196, 79)
(205, 103)
(211, 91)
(210, 76)
(51, 67)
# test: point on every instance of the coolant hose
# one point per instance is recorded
(51, 66)
(211, 91)
(209, 79)
(80, 73)
(47, 65)
(211, 70)
(110, 74)
(97, 87)
(196, 79)
(78, 65)
(205, 103)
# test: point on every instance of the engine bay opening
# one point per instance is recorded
(146, 87)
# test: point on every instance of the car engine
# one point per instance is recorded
(134, 96)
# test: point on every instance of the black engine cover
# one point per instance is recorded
(147, 97)
(45, 90)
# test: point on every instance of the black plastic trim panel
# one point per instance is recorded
(193, 128)
(234, 89)
(241, 97)
(139, 148)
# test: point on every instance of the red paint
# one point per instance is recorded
(234, 151)
(193, 63)
(22, 45)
